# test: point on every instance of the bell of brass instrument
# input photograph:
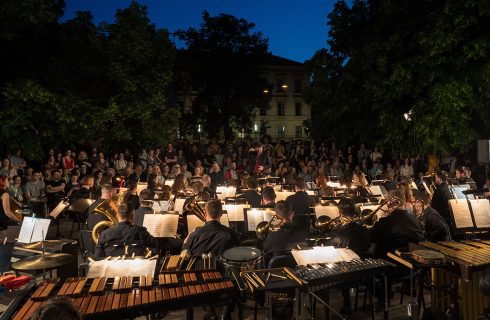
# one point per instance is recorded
(109, 209)
(264, 227)
(369, 217)
(194, 207)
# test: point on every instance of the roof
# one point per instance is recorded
(273, 60)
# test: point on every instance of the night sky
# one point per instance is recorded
(296, 29)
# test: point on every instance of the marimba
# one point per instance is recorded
(465, 261)
(128, 297)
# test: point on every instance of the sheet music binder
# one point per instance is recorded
(33, 230)
(470, 214)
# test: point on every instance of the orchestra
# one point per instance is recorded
(274, 223)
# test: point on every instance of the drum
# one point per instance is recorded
(244, 258)
(428, 257)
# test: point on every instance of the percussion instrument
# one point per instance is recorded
(40, 262)
(428, 257)
(242, 257)
(465, 261)
(128, 297)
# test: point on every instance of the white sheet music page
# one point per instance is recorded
(112, 269)
(179, 205)
(161, 225)
(282, 195)
(323, 255)
(193, 222)
(481, 212)
(329, 211)
(254, 217)
(375, 190)
(461, 213)
(235, 211)
(33, 230)
(224, 220)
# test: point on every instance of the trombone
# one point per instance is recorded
(369, 217)
(265, 227)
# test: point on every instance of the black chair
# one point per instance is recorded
(6, 253)
(87, 244)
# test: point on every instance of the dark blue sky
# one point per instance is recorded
(295, 28)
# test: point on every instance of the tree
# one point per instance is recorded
(387, 58)
(222, 64)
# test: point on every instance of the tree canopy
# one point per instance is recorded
(387, 58)
(77, 83)
(221, 68)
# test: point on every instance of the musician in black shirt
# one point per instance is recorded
(435, 228)
(253, 198)
(268, 198)
(396, 230)
(281, 242)
(352, 235)
(441, 196)
(300, 203)
(115, 240)
(213, 236)
(107, 191)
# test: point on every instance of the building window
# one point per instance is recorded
(299, 132)
(281, 133)
(297, 86)
(280, 108)
(263, 111)
(298, 107)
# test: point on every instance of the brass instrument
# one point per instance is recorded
(369, 217)
(15, 206)
(195, 208)
(326, 224)
(264, 227)
(109, 209)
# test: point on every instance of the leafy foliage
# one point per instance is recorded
(222, 65)
(389, 57)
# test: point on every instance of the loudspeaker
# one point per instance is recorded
(483, 151)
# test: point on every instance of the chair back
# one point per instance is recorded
(87, 244)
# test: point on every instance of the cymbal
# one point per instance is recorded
(39, 262)
(38, 245)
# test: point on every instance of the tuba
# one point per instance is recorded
(109, 209)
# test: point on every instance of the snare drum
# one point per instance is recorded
(243, 258)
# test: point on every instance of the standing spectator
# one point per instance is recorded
(170, 156)
(18, 163)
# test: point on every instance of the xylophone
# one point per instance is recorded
(466, 259)
(128, 296)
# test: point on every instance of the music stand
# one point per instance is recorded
(80, 206)
(56, 212)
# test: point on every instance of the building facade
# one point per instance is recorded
(288, 111)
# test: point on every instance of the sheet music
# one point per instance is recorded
(33, 230)
(223, 192)
(57, 210)
(141, 186)
(162, 205)
(169, 183)
(481, 212)
(254, 217)
(161, 225)
(461, 213)
(375, 190)
(179, 205)
(282, 195)
(112, 269)
(323, 255)
(413, 185)
(333, 184)
(235, 211)
(193, 222)
(310, 192)
(329, 211)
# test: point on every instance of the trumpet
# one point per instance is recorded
(369, 217)
(264, 227)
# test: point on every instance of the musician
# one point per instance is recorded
(251, 195)
(300, 203)
(146, 204)
(396, 230)
(112, 241)
(258, 160)
(7, 217)
(206, 181)
(435, 228)
(406, 189)
(268, 198)
(217, 176)
(86, 189)
(213, 236)
(107, 191)
(441, 196)
(55, 189)
(131, 197)
(352, 235)
(281, 242)
(138, 175)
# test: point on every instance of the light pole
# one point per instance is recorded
(410, 117)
